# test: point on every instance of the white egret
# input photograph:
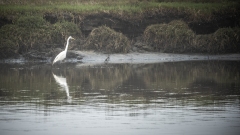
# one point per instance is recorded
(62, 55)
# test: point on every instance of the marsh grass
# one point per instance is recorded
(196, 9)
(107, 40)
(201, 11)
(78, 8)
(61, 31)
(7, 45)
(176, 36)
(31, 32)
(224, 40)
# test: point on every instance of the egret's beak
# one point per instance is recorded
(73, 38)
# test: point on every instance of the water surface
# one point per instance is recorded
(191, 98)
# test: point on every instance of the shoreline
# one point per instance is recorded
(91, 57)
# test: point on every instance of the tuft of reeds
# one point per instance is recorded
(107, 40)
(175, 36)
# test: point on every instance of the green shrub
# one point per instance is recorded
(34, 32)
(26, 32)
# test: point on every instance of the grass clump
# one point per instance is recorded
(33, 32)
(175, 36)
(224, 40)
(27, 32)
(105, 39)
(227, 39)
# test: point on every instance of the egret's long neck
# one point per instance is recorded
(67, 44)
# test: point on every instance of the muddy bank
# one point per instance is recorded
(88, 58)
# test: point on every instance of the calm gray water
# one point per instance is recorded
(173, 98)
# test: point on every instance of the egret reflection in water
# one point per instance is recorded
(62, 82)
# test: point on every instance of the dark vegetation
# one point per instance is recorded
(176, 26)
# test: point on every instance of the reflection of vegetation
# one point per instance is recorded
(96, 78)
(124, 83)
(24, 83)
(177, 76)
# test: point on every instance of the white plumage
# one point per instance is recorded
(62, 55)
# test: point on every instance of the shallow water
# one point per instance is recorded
(190, 98)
